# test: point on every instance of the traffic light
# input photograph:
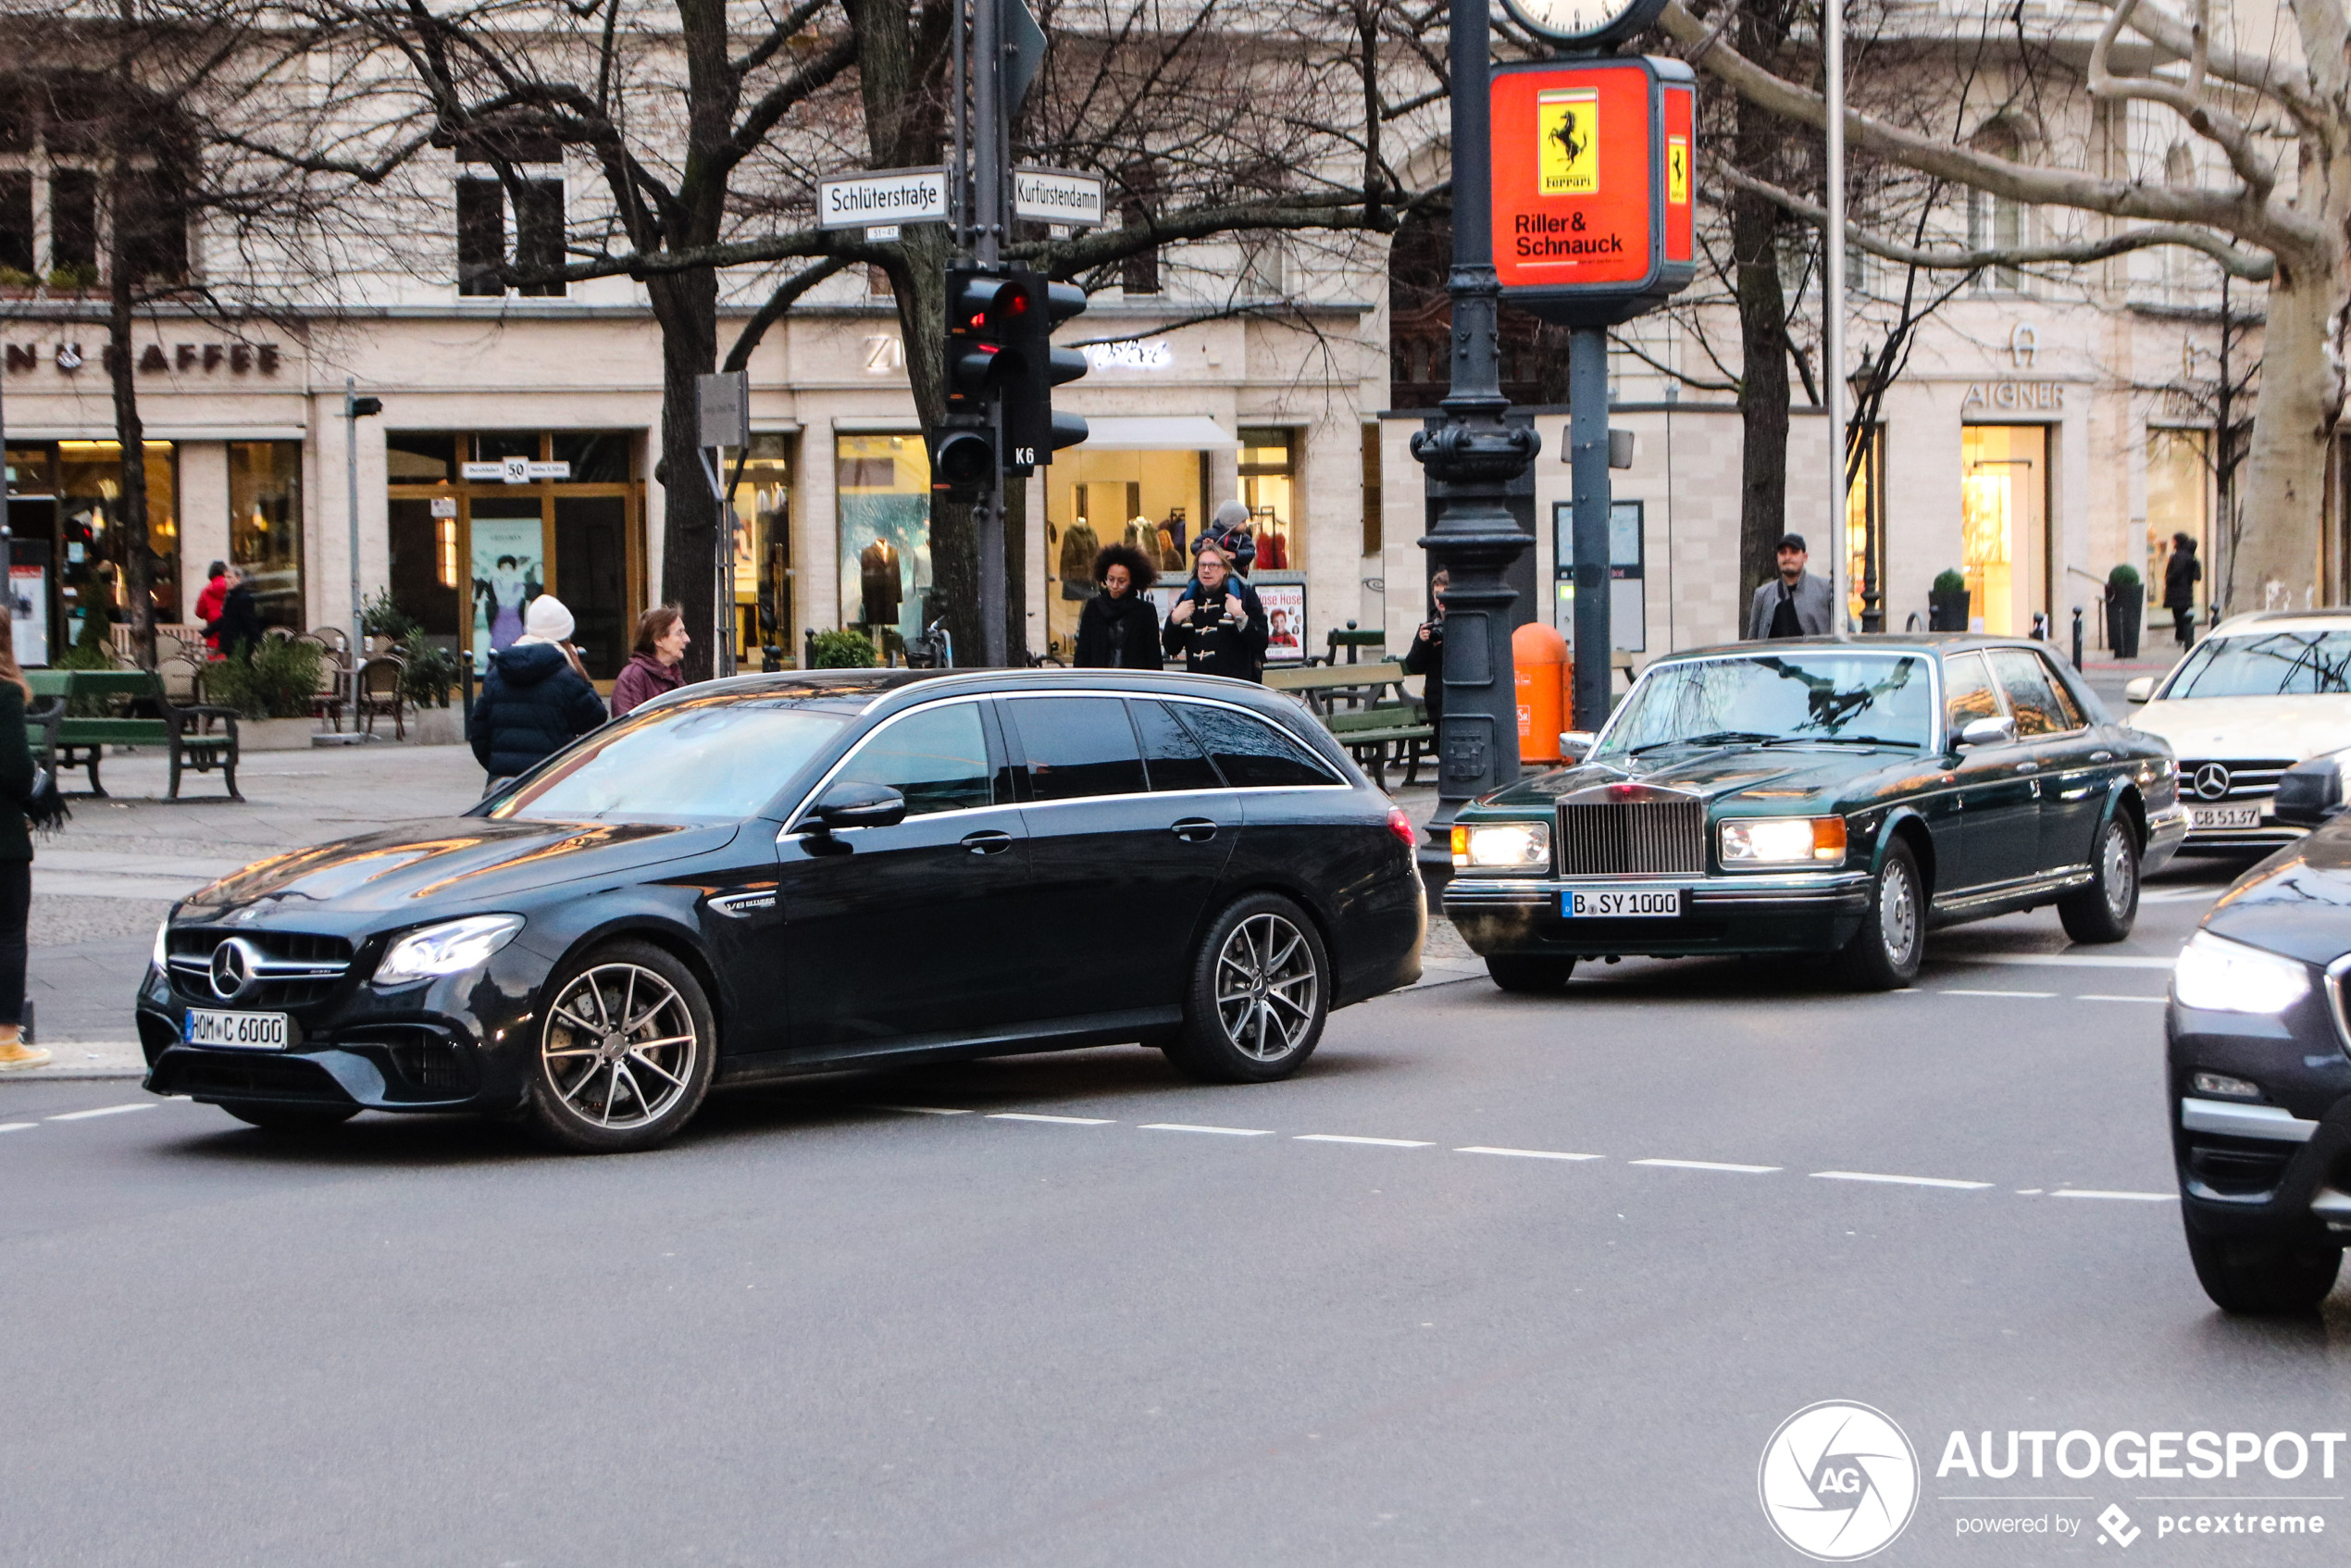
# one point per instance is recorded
(1032, 432)
(985, 315)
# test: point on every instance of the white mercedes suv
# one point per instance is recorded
(2263, 693)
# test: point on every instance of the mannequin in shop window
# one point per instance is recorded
(1076, 567)
(881, 583)
(1272, 548)
(1119, 627)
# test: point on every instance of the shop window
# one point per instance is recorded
(595, 456)
(762, 547)
(1373, 490)
(1078, 746)
(883, 488)
(496, 446)
(487, 210)
(1268, 479)
(94, 548)
(425, 565)
(265, 526)
(1148, 500)
(1865, 527)
(2179, 502)
(2004, 527)
(418, 457)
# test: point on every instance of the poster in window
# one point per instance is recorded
(29, 623)
(508, 575)
(1284, 621)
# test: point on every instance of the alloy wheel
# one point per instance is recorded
(2120, 870)
(1267, 987)
(1898, 910)
(621, 1046)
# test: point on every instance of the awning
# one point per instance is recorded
(1173, 433)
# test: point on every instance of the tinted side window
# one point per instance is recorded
(1078, 746)
(1250, 752)
(2032, 697)
(1966, 692)
(2070, 714)
(935, 757)
(1173, 757)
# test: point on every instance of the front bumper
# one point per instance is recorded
(1766, 912)
(2279, 1170)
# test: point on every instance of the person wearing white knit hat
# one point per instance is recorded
(535, 697)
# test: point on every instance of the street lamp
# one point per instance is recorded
(356, 408)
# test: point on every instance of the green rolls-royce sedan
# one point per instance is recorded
(1821, 794)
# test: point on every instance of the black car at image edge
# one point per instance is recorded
(776, 874)
(2260, 1072)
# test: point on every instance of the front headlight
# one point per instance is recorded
(2220, 976)
(449, 948)
(1502, 846)
(161, 958)
(1782, 841)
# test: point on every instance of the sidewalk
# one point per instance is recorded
(101, 885)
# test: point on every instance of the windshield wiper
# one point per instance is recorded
(1712, 738)
(1843, 740)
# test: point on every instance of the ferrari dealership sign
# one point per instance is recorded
(1591, 185)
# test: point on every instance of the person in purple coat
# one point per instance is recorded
(653, 668)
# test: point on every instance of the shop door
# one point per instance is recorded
(507, 562)
(592, 578)
(2004, 523)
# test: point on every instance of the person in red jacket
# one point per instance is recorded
(653, 670)
(208, 603)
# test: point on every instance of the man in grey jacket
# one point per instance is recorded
(1795, 603)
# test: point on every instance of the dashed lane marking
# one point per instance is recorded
(2120, 1197)
(1709, 1166)
(1187, 1126)
(1064, 1121)
(1954, 990)
(1900, 1180)
(100, 1111)
(921, 1110)
(2157, 999)
(18, 1126)
(1526, 1154)
(2069, 960)
(1374, 1142)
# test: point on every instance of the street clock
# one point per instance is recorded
(1585, 24)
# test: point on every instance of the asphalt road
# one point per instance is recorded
(1497, 1281)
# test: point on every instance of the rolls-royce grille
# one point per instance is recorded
(269, 969)
(1633, 839)
(2204, 779)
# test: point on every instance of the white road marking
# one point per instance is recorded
(1228, 1132)
(1900, 1180)
(2122, 1197)
(1954, 990)
(1374, 1142)
(100, 1111)
(18, 1126)
(2157, 999)
(1709, 1165)
(2179, 895)
(1526, 1154)
(2067, 960)
(1065, 1121)
(921, 1110)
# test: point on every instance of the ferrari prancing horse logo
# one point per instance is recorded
(1567, 123)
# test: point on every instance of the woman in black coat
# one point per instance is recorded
(238, 629)
(2181, 574)
(1119, 628)
(535, 699)
(16, 859)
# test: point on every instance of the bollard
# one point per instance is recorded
(2077, 637)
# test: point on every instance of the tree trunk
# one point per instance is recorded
(1763, 390)
(130, 434)
(686, 304)
(2272, 562)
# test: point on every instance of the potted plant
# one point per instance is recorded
(1947, 602)
(2126, 599)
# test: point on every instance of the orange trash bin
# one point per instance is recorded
(1539, 655)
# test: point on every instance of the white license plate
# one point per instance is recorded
(2224, 817)
(1621, 903)
(235, 1031)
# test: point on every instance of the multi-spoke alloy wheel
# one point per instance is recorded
(1258, 995)
(625, 1057)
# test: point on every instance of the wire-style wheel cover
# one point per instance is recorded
(620, 1047)
(2119, 868)
(1897, 912)
(1267, 987)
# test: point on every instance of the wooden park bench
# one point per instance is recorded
(60, 740)
(1355, 641)
(1366, 710)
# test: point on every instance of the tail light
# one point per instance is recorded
(1401, 825)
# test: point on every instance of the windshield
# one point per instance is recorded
(2267, 663)
(1778, 697)
(682, 762)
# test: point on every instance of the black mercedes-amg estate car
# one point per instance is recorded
(777, 875)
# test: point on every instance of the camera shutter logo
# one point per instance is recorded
(2212, 781)
(1838, 1481)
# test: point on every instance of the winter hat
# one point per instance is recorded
(1231, 515)
(547, 620)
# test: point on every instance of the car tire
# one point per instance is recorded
(2108, 907)
(2263, 1278)
(626, 1055)
(1258, 994)
(1884, 954)
(270, 1118)
(1532, 973)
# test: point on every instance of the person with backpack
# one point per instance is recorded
(536, 698)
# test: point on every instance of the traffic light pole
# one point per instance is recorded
(987, 194)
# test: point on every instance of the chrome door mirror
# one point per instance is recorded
(1996, 730)
(1576, 744)
(859, 805)
(2140, 691)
